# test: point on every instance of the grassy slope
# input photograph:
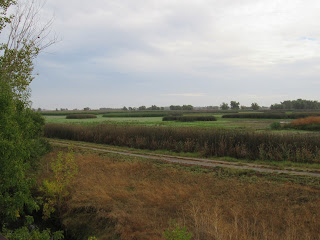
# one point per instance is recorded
(117, 197)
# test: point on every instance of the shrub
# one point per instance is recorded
(175, 232)
(80, 116)
(275, 126)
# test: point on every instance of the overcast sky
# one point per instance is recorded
(119, 53)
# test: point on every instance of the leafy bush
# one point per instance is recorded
(175, 232)
(207, 142)
(55, 190)
(80, 116)
(189, 118)
(275, 126)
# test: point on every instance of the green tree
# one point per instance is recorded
(142, 108)
(20, 127)
(234, 105)
(255, 106)
(224, 106)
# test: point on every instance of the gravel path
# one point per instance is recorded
(195, 161)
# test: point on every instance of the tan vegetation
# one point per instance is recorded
(305, 121)
(116, 198)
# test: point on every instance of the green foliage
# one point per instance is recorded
(20, 131)
(235, 105)
(275, 126)
(297, 104)
(64, 169)
(224, 106)
(175, 232)
(80, 116)
(255, 106)
(184, 107)
(92, 238)
(31, 231)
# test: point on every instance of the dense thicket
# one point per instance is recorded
(272, 115)
(189, 118)
(81, 116)
(21, 147)
(208, 142)
(297, 104)
(21, 144)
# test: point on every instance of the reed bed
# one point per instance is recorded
(206, 141)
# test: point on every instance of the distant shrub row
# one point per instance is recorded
(207, 142)
(189, 118)
(64, 113)
(140, 114)
(80, 116)
(272, 115)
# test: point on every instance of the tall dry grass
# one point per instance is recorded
(116, 199)
(305, 121)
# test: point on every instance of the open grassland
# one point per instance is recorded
(264, 146)
(228, 123)
(115, 197)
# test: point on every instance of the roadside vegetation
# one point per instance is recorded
(250, 145)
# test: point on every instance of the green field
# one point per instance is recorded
(230, 123)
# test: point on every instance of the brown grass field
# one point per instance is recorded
(116, 197)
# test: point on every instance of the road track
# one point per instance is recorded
(193, 161)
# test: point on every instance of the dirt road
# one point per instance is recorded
(193, 161)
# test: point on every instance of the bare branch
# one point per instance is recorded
(27, 29)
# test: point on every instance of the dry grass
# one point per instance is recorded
(305, 121)
(116, 199)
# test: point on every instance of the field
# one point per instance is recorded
(234, 123)
(116, 196)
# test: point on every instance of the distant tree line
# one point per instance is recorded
(156, 108)
(236, 106)
(296, 104)
(178, 107)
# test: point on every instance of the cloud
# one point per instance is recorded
(222, 48)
